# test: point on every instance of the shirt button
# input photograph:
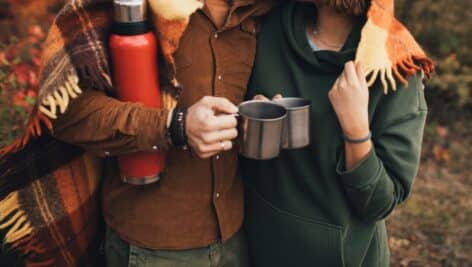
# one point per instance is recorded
(215, 35)
(217, 156)
(217, 195)
(219, 77)
(107, 153)
(155, 147)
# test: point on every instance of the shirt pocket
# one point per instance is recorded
(280, 238)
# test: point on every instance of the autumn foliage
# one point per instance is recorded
(19, 65)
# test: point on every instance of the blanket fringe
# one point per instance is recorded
(60, 98)
(13, 219)
(19, 232)
(33, 129)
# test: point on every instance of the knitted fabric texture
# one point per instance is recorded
(387, 50)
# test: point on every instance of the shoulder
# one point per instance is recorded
(406, 100)
(272, 16)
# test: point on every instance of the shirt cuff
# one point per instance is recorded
(365, 173)
(153, 129)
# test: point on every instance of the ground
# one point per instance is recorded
(433, 227)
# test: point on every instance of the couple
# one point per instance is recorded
(323, 205)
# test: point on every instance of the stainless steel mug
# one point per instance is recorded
(260, 129)
(296, 133)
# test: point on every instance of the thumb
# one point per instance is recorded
(260, 97)
(222, 104)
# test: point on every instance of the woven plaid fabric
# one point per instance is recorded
(75, 57)
(54, 220)
(49, 213)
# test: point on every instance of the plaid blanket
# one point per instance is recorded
(51, 219)
(49, 190)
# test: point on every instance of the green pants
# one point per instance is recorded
(231, 253)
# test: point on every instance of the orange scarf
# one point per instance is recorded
(387, 50)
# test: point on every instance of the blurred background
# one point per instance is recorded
(434, 227)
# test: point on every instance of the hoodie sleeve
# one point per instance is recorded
(107, 127)
(384, 178)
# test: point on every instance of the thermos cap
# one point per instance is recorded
(129, 11)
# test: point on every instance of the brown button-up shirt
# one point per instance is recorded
(197, 201)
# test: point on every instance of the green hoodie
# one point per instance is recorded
(303, 208)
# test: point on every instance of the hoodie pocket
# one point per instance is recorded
(279, 238)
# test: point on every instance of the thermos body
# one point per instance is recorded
(135, 68)
(135, 74)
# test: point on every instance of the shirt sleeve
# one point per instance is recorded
(384, 178)
(107, 126)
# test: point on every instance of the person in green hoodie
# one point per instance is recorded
(325, 204)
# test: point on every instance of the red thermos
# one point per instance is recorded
(133, 49)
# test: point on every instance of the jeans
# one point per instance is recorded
(231, 253)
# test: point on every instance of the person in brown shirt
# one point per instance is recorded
(193, 215)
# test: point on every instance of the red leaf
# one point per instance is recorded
(36, 31)
(442, 131)
(3, 58)
(33, 80)
(22, 73)
(19, 99)
(440, 153)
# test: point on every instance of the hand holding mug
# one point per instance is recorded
(264, 98)
(211, 125)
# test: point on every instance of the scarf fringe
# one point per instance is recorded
(400, 71)
(377, 65)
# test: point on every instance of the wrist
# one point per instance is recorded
(356, 131)
(177, 128)
(358, 140)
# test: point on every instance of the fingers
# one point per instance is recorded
(350, 74)
(350, 70)
(208, 133)
(264, 98)
(213, 137)
(221, 122)
(209, 150)
(260, 97)
(277, 97)
(220, 104)
(360, 75)
(225, 122)
(342, 82)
